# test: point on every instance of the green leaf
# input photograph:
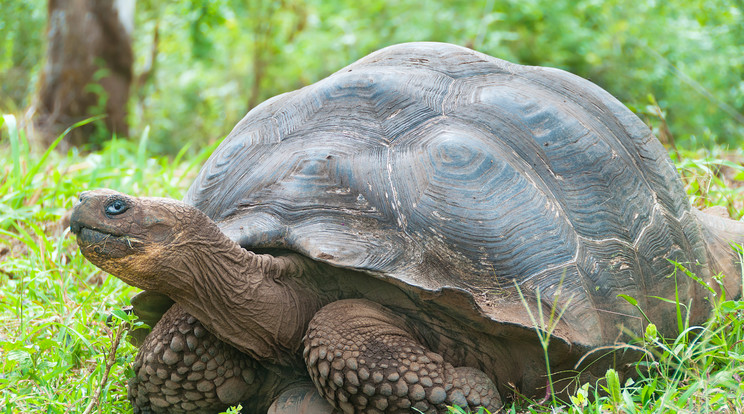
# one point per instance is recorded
(613, 386)
(652, 333)
(629, 299)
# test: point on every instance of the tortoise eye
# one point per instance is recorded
(116, 207)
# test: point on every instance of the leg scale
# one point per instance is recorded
(363, 358)
(181, 367)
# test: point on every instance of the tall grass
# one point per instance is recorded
(58, 355)
(54, 341)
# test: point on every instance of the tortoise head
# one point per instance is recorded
(170, 247)
(134, 238)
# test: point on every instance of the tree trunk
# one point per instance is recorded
(88, 69)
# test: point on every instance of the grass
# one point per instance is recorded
(54, 343)
(58, 355)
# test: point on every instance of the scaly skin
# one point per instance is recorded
(181, 367)
(363, 358)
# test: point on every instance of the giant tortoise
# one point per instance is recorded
(388, 230)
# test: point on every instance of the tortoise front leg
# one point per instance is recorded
(181, 367)
(363, 358)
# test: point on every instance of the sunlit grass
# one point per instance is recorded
(700, 371)
(54, 342)
(714, 178)
(53, 304)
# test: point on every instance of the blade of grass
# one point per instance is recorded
(32, 172)
(142, 155)
(10, 123)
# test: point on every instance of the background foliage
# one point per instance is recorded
(216, 59)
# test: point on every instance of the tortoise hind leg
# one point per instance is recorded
(183, 368)
(363, 358)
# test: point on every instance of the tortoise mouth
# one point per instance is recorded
(104, 244)
(89, 235)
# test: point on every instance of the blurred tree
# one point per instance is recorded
(21, 47)
(88, 68)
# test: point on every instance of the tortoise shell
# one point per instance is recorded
(449, 172)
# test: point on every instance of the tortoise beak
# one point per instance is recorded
(74, 227)
(80, 210)
(75, 218)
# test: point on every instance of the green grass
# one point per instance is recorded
(56, 349)
(53, 338)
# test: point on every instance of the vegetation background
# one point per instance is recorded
(679, 64)
(218, 58)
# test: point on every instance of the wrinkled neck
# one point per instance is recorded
(257, 303)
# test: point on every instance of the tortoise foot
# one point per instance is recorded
(363, 358)
(183, 368)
